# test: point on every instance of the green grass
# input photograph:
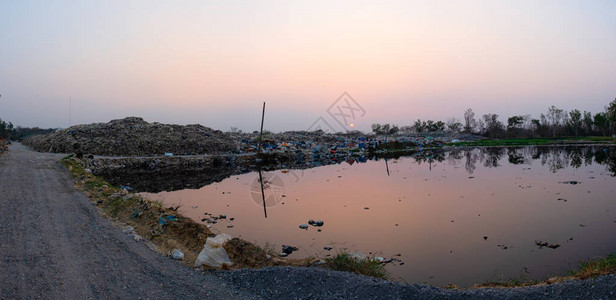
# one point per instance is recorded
(588, 269)
(94, 185)
(597, 266)
(539, 141)
(345, 262)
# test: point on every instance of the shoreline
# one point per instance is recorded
(507, 283)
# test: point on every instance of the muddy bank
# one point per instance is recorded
(156, 174)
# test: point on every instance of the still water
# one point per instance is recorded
(460, 217)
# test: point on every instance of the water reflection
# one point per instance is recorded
(426, 211)
(556, 158)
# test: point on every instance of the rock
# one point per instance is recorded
(223, 216)
(177, 254)
(358, 256)
(311, 222)
(319, 223)
(573, 182)
(303, 226)
(328, 248)
(319, 262)
(485, 238)
(282, 254)
(288, 249)
(378, 259)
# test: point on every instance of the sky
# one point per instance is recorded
(216, 62)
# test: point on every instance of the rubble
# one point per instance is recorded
(3, 146)
(132, 136)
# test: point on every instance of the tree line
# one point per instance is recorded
(9, 132)
(555, 122)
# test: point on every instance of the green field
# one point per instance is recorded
(540, 141)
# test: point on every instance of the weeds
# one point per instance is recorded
(540, 141)
(596, 267)
(345, 262)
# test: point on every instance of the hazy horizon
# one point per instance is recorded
(214, 63)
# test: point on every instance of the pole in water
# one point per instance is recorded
(261, 134)
(387, 166)
(258, 157)
(262, 193)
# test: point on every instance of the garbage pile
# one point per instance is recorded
(132, 136)
(3, 147)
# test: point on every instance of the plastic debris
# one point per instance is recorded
(177, 254)
(213, 254)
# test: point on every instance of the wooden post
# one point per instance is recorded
(261, 134)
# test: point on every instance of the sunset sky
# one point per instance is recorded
(215, 62)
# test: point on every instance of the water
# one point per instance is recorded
(432, 210)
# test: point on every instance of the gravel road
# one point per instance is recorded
(55, 245)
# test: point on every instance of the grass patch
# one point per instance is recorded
(540, 141)
(345, 262)
(588, 269)
(515, 282)
(596, 267)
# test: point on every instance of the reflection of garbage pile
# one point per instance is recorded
(273, 189)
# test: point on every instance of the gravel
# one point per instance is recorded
(317, 283)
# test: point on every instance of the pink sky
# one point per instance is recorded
(214, 63)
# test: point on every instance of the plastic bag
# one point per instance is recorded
(213, 254)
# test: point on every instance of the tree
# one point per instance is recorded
(575, 120)
(430, 125)
(469, 121)
(554, 116)
(419, 126)
(610, 112)
(588, 122)
(384, 129)
(453, 125)
(515, 122)
(600, 122)
(6, 129)
(493, 126)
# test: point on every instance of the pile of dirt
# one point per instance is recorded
(135, 137)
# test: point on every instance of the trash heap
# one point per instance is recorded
(3, 147)
(132, 136)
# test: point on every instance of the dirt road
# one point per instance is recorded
(54, 243)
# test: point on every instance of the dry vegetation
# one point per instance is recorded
(128, 209)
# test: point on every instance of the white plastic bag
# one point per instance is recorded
(213, 254)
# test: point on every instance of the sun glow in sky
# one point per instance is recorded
(215, 62)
